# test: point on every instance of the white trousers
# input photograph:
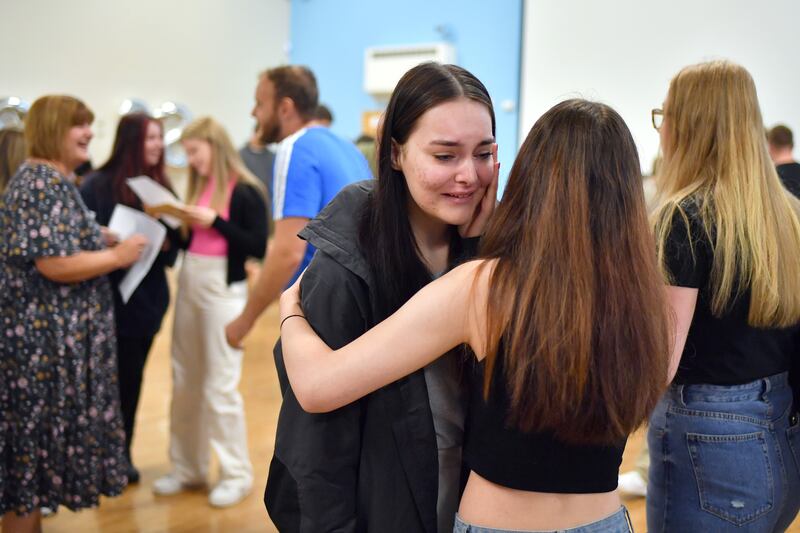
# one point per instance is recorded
(207, 411)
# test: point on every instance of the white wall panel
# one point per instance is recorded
(204, 53)
(624, 52)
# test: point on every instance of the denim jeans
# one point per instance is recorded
(619, 522)
(724, 458)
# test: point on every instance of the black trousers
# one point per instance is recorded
(131, 357)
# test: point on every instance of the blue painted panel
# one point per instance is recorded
(330, 36)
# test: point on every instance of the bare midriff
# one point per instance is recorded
(493, 506)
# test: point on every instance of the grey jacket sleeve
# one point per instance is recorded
(314, 472)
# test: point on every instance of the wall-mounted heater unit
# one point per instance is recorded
(385, 65)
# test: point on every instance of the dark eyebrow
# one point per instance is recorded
(442, 142)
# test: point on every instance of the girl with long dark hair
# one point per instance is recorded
(391, 461)
(566, 314)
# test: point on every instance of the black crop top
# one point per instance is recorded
(529, 461)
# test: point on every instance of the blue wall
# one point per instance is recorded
(330, 36)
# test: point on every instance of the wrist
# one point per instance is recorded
(294, 315)
(117, 261)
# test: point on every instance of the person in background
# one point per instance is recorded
(366, 145)
(567, 318)
(138, 150)
(724, 437)
(323, 116)
(781, 143)
(81, 171)
(378, 242)
(259, 158)
(12, 154)
(62, 440)
(227, 215)
(312, 165)
(634, 482)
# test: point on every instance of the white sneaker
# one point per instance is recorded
(228, 493)
(170, 484)
(632, 484)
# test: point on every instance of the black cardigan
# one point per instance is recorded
(246, 229)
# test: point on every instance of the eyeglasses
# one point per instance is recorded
(657, 115)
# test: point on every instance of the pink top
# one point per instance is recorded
(209, 241)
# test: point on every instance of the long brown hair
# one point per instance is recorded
(715, 157)
(127, 158)
(576, 297)
(384, 231)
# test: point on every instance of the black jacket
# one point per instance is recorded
(142, 315)
(371, 465)
(246, 229)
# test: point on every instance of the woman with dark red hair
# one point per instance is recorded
(138, 150)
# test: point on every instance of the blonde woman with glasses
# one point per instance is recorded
(724, 439)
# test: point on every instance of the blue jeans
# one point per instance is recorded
(724, 458)
(618, 522)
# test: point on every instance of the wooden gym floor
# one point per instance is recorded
(138, 510)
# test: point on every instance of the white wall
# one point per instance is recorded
(203, 53)
(625, 52)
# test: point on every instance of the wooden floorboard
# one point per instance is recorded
(138, 510)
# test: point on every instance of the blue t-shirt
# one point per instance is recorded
(311, 167)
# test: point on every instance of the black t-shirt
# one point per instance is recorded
(722, 350)
(790, 176)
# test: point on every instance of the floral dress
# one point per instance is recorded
(61, 435)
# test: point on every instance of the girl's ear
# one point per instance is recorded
(397, 155)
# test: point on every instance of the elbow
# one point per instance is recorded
(52, 272)
(672, 368)
(287, 257)
(55, 278)
(313, 394)
(309, 399)
(311, 406)
(294, 259)
(290, 260)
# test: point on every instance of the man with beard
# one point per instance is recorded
(312, 164)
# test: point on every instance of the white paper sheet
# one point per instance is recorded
(125, 222)
(150, 192)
